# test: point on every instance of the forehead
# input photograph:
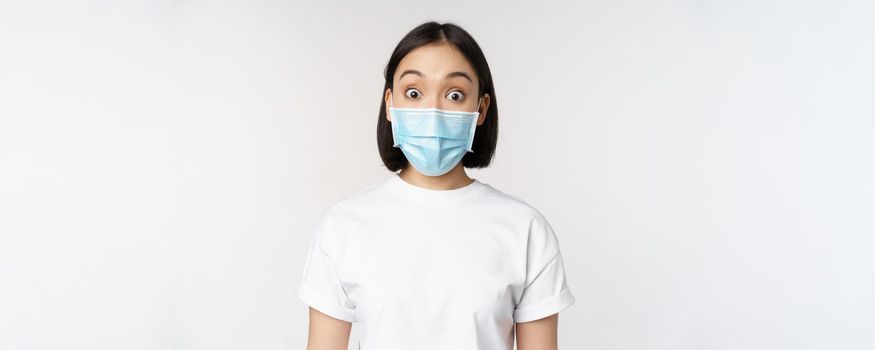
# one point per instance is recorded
(435, 61)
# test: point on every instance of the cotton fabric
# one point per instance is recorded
(417, 268)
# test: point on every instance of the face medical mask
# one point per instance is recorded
(433, 140)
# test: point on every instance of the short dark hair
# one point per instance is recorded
(486, 134)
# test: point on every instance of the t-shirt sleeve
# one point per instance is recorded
(546, 291)
(321, 286)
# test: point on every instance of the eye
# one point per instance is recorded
(415, 93)
(456, 93)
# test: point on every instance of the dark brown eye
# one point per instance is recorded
(412, 93)
(455, 95)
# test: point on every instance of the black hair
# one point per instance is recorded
(486, 134)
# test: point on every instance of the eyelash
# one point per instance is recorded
(451, 91)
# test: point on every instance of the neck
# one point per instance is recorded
(453, 179)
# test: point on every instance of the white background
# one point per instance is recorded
(707, 165)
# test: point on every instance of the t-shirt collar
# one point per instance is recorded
(429, 196)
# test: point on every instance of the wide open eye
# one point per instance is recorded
(456, 95)
(415, 93)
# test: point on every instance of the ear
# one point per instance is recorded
(484, 107)
(386, 98)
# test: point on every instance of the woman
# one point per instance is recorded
(427, 257)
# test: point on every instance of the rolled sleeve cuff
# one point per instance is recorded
(319, 302)
(544, 308)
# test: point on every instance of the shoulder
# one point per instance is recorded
(512, 204)
(539, 235)
(342, 213)
(358, 204)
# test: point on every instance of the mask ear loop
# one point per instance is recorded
(474, 126)
(393, 124)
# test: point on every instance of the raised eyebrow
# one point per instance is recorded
(459, 74)
(409, 71)
(451, 75)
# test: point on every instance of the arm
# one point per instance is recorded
(539, 334)
(327, 333)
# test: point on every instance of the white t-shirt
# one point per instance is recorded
(418, 268)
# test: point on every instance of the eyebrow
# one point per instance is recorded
(451, 75)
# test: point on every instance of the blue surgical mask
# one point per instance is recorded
(433, 140)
